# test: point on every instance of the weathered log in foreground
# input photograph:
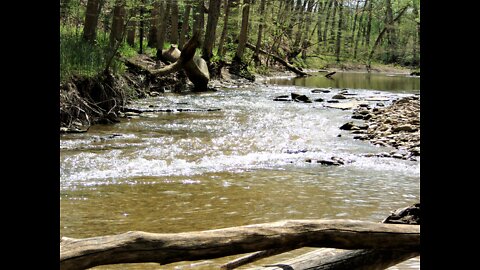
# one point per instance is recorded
(336, 259)
(142, 247)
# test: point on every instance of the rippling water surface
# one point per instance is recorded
(242, 164)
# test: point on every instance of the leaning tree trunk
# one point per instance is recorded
(380, 36)
(281, 61)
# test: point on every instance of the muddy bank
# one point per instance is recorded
(397, 125)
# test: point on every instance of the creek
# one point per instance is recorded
(241, 163)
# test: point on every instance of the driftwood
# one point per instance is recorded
(280, 60)
(195, 67)
(142, 247)
(336, 259)
(253, 257)
(330, 259)
(330, 74)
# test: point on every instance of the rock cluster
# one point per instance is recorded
(397, 126)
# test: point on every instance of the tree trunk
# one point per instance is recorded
(379, 38)
(416, 35)
(332, 27)
(357, 38)
(163, 248)
(391, 37)
(308, 22)
(186, 18)
(142, 25)
(131, 29)
(209, 41)
(199, 19)
(354, 26)
(335, 259)
(281, 61)
(327, 20)
(369, 25)
(256, 58)
(174, 22)
(153, 30)
(226, 6)
(242, 38)
(300, 14)
(91, 20)
(320, 12)
(339, 31)
(163, 10)
(116, 32)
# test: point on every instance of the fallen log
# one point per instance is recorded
(142, 247)
(336, 259)
(330, 74)
(280, 60)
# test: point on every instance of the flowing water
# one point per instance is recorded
(243, 164)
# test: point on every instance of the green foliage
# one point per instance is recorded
(78, 57)
(81, 58)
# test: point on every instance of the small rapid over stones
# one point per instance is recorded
(181, 162)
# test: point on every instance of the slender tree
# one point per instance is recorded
(91, 20)
(163, 10)
(339, 30)
(185, 20)
(357, 37)
(256, 58)
(116, 32)
(174, 22)
(369, 25)
(154, 21)
(327, 19)
(391, 37)
(352, 37)
(131, 27)
(226, 8)
(333, 21)
(242, 38)
(142, 25)
(209, 41)
(199, 19)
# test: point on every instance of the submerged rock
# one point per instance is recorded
(320, 90)
(282, 98)
(339, 96)
(300, 98)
